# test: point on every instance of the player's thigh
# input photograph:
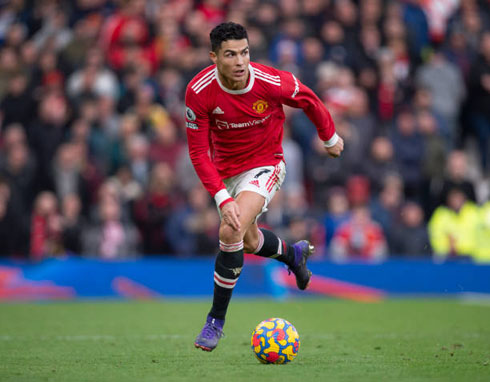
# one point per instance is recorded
(250, 204)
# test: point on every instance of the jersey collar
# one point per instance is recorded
(241, 91)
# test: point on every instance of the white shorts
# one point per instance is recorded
(264, 180)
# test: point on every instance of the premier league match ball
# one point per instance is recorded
(275, 341)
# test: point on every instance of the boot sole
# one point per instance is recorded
(203, 348)
(311, 251)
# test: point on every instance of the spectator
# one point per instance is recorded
(358, 190)
(170, 91)
(408, 146)
(18, 105)
(130, 126)
(360, 238)
(46, 229)
(370, 46)
(336, 46)
(192, 229)
(108, 120)
(337, 213)
(456, 176)
(434, 157)
(438, 15)
(380, 163)
(55, 32)
(325, 172)
(92, 78)
(410, 237)
(110, 237)
(459, 53)
(47, 74)
(47, 133)
(72, 223)
(166, 146)
(447, 87)
(67, 170)
(416, 20)
(452, 227)
(83, 38)
(482, 252)
(13, 232)
(154, 208)
(138, 158)
(9, 65)
(479, 87)
(363, 124)
(385, 208)
(423, 102)
(470, 20)
(126, 39)
(20, 169)
(312, 52)
(127, 187)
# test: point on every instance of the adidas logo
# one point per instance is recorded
(255, 183)
(218, 111)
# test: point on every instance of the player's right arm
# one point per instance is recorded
(198, 130)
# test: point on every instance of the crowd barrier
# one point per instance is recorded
(161, 277)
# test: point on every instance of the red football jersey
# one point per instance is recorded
(231, 131)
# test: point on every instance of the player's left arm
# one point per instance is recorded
(296, 94)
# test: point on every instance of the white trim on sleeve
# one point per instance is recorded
(221, 196)
(332, 141)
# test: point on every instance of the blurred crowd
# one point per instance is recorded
(93, 156)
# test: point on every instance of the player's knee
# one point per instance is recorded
(229, 235)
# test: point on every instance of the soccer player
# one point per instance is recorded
(234, 120)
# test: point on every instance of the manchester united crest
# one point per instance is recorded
(260, 106)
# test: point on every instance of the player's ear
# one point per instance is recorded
(213, 56)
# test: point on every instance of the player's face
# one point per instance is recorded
(232, 61)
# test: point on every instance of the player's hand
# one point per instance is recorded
(336, 149)
(230, 213)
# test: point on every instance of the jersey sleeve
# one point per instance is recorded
(197, 127)
(296, 94)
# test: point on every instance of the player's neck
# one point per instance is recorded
(233, 85)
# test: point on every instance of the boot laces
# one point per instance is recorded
(210, 331)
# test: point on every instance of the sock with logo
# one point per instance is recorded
(227, 269)
(273, 247)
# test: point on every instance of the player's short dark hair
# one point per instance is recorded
(226, 31)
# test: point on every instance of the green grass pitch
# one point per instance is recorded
(395, 340)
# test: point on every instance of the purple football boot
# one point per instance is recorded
(210, 334)
(302, 250)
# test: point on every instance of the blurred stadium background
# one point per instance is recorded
(95, 175)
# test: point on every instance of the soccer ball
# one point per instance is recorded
(275, 341)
